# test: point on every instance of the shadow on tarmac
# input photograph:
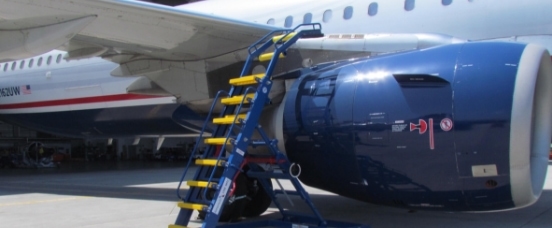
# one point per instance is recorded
(156, 181)
(97, 179)
(337, 208)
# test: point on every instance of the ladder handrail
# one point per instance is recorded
(228, 134)
(280, 47)
(264, 39)
(198, 141)
(251, 57)
(268, 72)
(314, 25)
(245, 70)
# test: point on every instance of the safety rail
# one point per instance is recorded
(200, 137)
(251, 57)
(229, 132)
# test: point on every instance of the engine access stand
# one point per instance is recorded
(213, 185)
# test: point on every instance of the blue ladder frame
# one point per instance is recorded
(197, 196)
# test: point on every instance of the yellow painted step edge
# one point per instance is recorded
(228, 119)
(268, 57)
(210, 162)
(202, 184)
(192, 206)
(177, 226)
(246, 80)
(237, 99)
(286, 38)
(217, 141)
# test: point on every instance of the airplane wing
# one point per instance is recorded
(182, 53)
(126, 29)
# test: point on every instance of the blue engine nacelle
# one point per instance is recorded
(459, 127)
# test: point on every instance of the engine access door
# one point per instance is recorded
(403, 127)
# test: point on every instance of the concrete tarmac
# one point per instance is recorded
(140, 194)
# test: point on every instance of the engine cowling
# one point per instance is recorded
(463, 127)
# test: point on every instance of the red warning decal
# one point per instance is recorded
(431, 137)
(421, 126)
(446, 124)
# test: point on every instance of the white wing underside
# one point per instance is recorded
(130, 29)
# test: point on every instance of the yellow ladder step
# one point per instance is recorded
(209, 162)
(246, 80)
(217, 141)
(228, 119)
(177, 226)
(268, 56)
(237, 99)
(192, 206)
(286, 37)
(202, 184)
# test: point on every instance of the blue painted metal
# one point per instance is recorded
(286, 192)
(356, 116)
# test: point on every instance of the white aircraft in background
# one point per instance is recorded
(102, 69)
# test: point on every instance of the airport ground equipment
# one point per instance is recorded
(214, 185)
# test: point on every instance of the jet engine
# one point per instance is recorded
(461, 127)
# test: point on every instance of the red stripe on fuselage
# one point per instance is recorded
(81, 100)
